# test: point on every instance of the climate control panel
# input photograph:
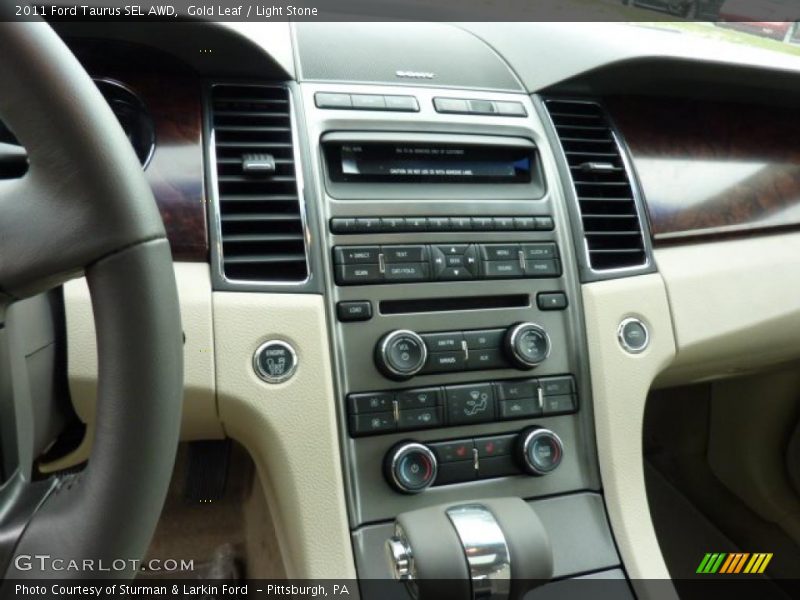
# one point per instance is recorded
(411, 467)
(402, 354)
(374, 413)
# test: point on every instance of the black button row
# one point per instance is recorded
(366, 102)
(478, 458)
(360, 265)
(467, 106)
(439, 224)
(464, 351)
(483, 402)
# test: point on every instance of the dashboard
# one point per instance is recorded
(408, 291)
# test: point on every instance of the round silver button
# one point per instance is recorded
(275, 361)
(633, 335)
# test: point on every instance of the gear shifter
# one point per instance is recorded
(494, 549)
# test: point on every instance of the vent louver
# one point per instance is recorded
(261, 224)
(603, 187)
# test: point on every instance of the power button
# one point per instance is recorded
(275, 361)
(633, 336)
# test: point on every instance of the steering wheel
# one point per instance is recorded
(84, 206)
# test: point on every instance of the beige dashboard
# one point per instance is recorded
(712, 309)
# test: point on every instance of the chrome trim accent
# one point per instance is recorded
(262, 374)
(383, 352)
(638, 200)
(219, 279)
(400, 558)
(401, 451)
(621, 337)
(486, 550)
(512, 343)
(529, 439)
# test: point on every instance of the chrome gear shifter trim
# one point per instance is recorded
(486, 550)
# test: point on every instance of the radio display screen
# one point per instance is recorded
(401, 162)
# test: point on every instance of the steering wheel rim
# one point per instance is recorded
(84, 206)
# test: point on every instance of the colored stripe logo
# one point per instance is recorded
(734, 563)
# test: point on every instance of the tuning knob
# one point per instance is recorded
(527, 345)
(401, 354)
(410, 467)
(539, 450)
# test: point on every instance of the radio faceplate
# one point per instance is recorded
(507, 230)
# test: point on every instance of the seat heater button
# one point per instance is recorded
(498, 445)
(453, 451)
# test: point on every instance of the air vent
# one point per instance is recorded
(603, 188)
(261, 223)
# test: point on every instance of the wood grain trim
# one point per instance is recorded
(710, 169)
(172, 94)
(176, 170)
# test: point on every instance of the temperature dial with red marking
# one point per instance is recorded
(410, 467)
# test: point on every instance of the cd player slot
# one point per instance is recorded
(423, 305)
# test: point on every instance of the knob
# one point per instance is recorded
(410, 467)
(527, 345)
(401, 560)
(539, 450)
(401, 354)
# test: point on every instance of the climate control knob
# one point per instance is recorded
(410, 467)
(527, 345)
(539, 450)
(401, 354)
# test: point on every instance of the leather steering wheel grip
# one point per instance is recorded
(84, 196)
(85, 206)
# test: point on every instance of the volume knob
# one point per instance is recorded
(401, 354)
(527, 345)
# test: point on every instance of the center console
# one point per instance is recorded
(454, 308)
